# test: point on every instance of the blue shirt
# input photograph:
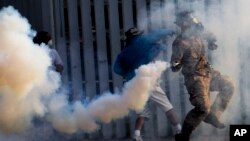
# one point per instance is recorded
(141, 50)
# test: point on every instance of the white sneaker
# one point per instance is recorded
(137, 138)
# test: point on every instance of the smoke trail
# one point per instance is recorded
(71, 118)
(24, 73)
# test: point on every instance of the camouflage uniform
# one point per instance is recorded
(188, 53)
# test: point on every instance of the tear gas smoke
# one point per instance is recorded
(24, 74)
(108, 107)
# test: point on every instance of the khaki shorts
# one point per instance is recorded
(159, 98)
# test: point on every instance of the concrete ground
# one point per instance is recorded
(51, 137)
(47, 133)
(202, 138)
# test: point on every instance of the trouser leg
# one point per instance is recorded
(198, 89)
(225, 87)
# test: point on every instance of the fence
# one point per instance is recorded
(88, 35)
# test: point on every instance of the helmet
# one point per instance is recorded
(185, 18)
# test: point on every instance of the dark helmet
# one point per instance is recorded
(130, 33)
(185, 18)
(42, 37)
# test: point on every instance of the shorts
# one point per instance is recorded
(158, 97)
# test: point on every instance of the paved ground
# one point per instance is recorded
(202, 138)
(54, 138)
(47, 133)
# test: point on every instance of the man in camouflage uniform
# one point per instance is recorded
(188, 53)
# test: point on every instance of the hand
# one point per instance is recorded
(175, 64)
(176, 67)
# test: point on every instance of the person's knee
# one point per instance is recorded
(203, 109)
(202, 105)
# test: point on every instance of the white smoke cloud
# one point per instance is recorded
(71, 118)
(24, 73)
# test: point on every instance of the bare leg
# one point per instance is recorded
(139, 123)
(171, 115)
(138, 126)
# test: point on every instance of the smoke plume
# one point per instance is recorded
(71, 118)
(25, 76)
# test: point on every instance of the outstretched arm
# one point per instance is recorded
(157, 35)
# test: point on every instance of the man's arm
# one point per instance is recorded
(157, 35)
(58, 62)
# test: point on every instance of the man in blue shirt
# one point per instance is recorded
(142, 49)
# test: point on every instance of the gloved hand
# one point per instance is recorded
(176, 66)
